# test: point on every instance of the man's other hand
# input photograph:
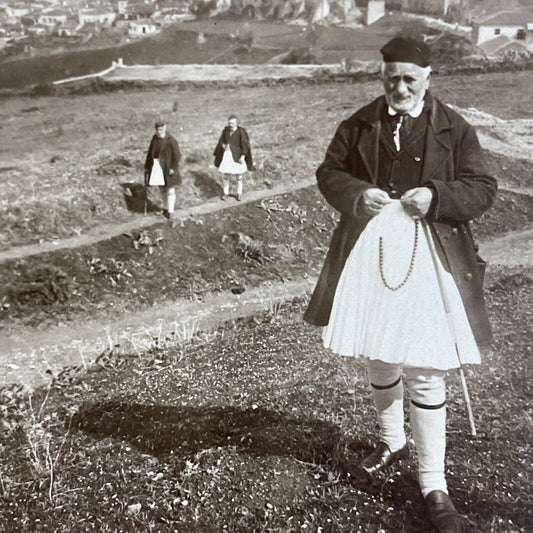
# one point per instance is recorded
(416, 202)
(373, 201)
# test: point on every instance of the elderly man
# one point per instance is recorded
(161, 166)
(407, 175)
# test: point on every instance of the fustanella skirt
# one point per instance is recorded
(408, 325)
(229, 166)
(157, 179)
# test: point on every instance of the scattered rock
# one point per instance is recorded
(237, 289)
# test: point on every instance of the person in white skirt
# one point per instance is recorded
(233, 156)
(407, 174)
(161, 168)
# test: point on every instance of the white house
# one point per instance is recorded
(92, 16)
(17, 10)
(142, 27)
(513, 25)
(53, 17)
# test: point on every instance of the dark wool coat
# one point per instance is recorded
(169, 158)
(239, 144)
(453, 167)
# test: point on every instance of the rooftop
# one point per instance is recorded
(508, 18)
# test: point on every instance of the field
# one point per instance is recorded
(252, 426)
(83, 148)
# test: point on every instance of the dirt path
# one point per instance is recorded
(32, 359)
(108, 231)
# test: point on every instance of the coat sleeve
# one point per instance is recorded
(246, 149)
(245, 142)
(149, 159)
(472, 190)
(219, 150)
(176, 154)
(340, 187)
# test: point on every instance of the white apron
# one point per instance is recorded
(156, 176)
(409, 325)
(229, 166)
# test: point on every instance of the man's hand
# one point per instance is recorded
(416, 202)
(373, 201)
(241, 160)
(171, 171)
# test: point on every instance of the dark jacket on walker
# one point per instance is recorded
(168, 152)
(239, 143)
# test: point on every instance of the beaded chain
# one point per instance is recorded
(411, 264)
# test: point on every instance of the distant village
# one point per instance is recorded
(24, 25)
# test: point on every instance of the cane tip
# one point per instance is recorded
(478, 435)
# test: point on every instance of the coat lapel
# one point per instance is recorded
(368, 148)
(368, 143)
(438, 147)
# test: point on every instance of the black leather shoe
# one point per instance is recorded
(442, 513)
(382, 457)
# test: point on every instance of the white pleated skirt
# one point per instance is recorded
(229, 166)
(408, 326)
(157, 179)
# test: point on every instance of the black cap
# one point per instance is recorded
(160, 123)
(406, 50)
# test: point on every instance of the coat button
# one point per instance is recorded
(468, 276)
(455, 231)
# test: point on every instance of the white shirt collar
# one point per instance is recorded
(415, 112)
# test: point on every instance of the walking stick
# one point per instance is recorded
(145, 193)
(447, 310)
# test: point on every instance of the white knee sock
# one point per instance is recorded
(387, 388)
(225, 184)
(171, 199)
(239, 185)
(428, 423)
(429, 432)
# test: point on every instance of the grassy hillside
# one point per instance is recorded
(64, 159)
(174, 45)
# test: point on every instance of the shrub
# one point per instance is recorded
(300, 56)
(43, 89)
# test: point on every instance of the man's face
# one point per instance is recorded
(405, 85)
(161, 131)
(232, 123)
